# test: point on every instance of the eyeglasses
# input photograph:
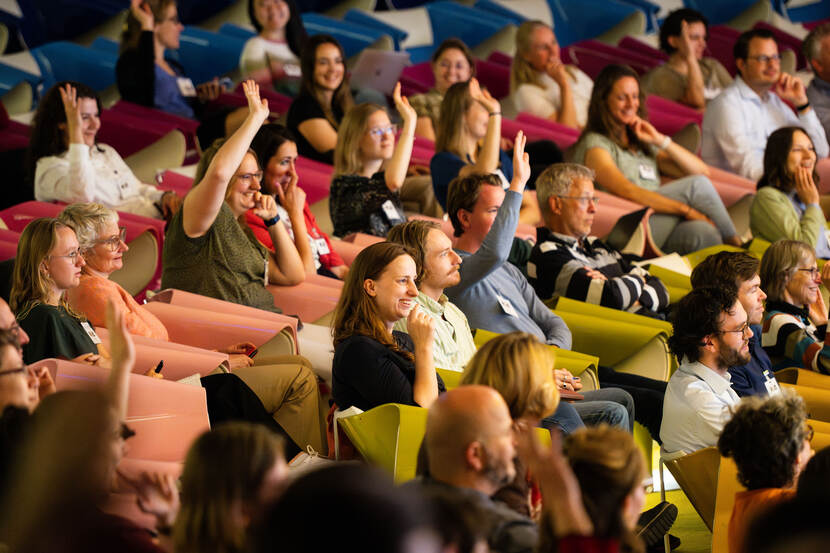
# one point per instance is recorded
(378, 132)
(810, 433)
(583, 200)
(766, 59)
(458, 66)
(72, 256)
(743, 330)
(114, 242)
(814, 271)
(246, 177)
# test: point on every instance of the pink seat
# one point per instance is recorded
(314, 164)
(494, 76)
(719, 46)
(592, 61)
(309, 301)
(563, 135)
(8, 250)
(500, 58)
(178, 183)
(422, 142)
(168, 120)
(204, 322)
(166, 416)
(315, 183)
(362, 239)
(419, 74)
(509, 128)
(346, 250)
(321, 280)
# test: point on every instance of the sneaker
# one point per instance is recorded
(656, 522)
(306, 461)
(674, 543)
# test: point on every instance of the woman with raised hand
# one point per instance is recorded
(374, 364)
(629, 156)
(272, 57)
(788, 203)
(67, 164)
(370, 168)
(541, 85)
(276, 147)
(316, 112)
(209, 249)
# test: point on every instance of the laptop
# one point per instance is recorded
(379, 70)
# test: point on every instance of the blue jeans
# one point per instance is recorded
(609, 405)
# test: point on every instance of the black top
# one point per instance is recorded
(358, 204)
(365, 373)
(303, 108)
(54, 333)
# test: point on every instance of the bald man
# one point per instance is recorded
(471, 447)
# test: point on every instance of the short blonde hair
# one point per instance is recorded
(779, 264)
(520, 368)
(355, 123)
(521, 71)
(87, 220)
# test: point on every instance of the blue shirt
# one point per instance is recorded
(445, 166)
(167, 96)
(748, 380)
(495, 295)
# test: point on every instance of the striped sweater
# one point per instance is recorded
(559, 266)
(790, 339)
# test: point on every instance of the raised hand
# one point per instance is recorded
(805, 187)
(483, 97)
(122, 347)
(265, 206)
(142, 13)
(406, 111)
(257, 107)
(791, 88)
(685, 44)
(557, 71)
(421, 328)
(72, 109)
(521, 163)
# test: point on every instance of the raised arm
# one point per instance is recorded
(123, 359)
(396, 168)
(693, 95)
(202, 204)
(487, 160)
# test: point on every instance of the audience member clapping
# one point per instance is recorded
(370, 168)
(541, 84)
(629, 156)
(770, 442)
(208, 248)
(67, 164)
(374, 364)
(272, 57)
(316, 113)
(276, 148)
(795, 319)
(788, 203)
(688, 76)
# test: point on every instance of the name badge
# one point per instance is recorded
(647, 172)
(391, 211)
(90, 332)
(186, 87)
(506, 306)
(771, 384)
(321, 246)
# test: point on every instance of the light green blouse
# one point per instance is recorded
(637, 166)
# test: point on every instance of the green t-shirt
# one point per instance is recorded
(226, 263)
(54, 333)
(637, 166)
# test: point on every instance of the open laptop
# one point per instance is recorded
(379, 70)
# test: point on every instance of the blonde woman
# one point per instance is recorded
(541, 84)
(370, 169)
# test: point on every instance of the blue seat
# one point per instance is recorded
(196, 11)
(650, 9)
(234, 30)
(105, 45)
(719, 12)
(508, 15)
(205, 54)
(11, 76)
(66, 61)
(44, 21)
(808, 13)
(354, 37)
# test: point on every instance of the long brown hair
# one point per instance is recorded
(451, 124)
(342, 95)
(356, 311)
(222, 467)
(30, 285)
(600, 120)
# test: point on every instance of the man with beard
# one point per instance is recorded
(710, 334)
(471, 446)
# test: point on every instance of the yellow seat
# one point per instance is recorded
(387, 436)
(695, 258)
(451, 378)
(697, 475)
(727, 487)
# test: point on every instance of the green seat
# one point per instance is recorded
(451, 378)
(696, 257)
(677, 284)
(388, 436)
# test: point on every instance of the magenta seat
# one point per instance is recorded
(171, 121)
(592, 59)
(719, 46)
(419, 74)
(500, 58)
(494, 76)
(638, 47)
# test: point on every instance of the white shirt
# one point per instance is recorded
(545, 100)
(97, 174)
(257, 52)
(697, 405)
(738, 122)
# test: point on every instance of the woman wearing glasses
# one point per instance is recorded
(369, 168)
(788, 203)
(795, 319)
(629, 157)
(49, 263)
(209, 249)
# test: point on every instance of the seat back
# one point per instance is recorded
(388, 436)
(452, 379)
(727, 487)
(697, 474)
(140, 263)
